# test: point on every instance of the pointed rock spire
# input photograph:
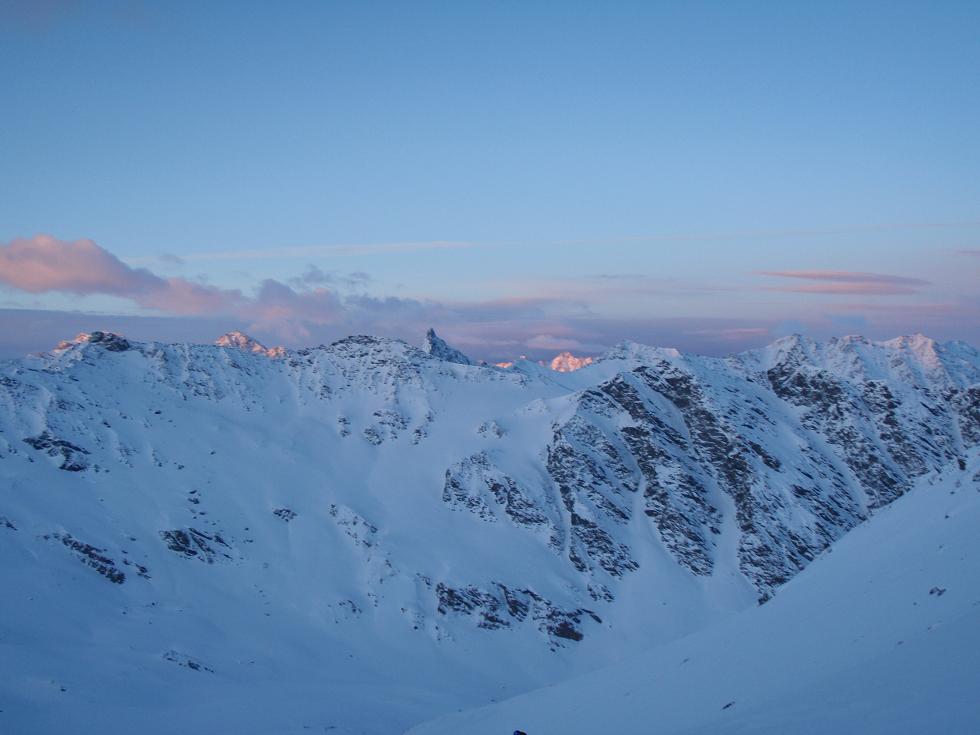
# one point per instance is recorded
(437, 347)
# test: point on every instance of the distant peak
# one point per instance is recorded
(241, 341)
(437, 347)
(109, 340)
(913, 341)
(628, 350)
(566, 362)
(790, 341)
(919, 345)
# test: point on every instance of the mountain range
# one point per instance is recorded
(361, 536)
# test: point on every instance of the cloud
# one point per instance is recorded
(42, 264)
(314, 276)
(290, 314)
(315, 308)
(735, 333)
(321, 251)
(549, 342)
(846, 282)
(307, 310)
(290, 311)
(975, 252)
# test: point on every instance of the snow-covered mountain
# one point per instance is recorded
(364, 535)
(239, 340)
(566, 362)
(879, 637)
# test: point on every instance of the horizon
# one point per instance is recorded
(525, 180)
(546, 358)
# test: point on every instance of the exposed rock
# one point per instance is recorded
(437, 347)
(505, 606)
(188, 662)
(93, 557)
(107, 340)
(284, 513)
(195, 544)
(72, 456)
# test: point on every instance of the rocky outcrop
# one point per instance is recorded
(502, 606)
(437, 347)
(73, 458)
(194, 544)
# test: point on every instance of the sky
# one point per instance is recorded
(526, 177)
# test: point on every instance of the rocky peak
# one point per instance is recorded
(437, 347)
(566, 362)
(241, 341)
(108, 340)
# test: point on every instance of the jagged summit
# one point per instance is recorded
(437, 347)
(109, 340)
(241, 341)
(566, 362)
(369, 504)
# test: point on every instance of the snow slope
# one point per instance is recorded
(880, 636)
(364, 535)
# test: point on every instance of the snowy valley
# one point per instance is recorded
(363, 536)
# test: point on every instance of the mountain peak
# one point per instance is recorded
(438, 347)
(629, 350)
(566, 362)
(109, 340)
(241, 341)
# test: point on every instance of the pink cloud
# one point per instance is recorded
(308, 310)
(279, 309)
(42, 263)
(846, 282)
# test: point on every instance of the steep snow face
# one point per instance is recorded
(437, 347)
(238, 533)
(878, 637)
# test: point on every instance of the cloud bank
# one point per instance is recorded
(847, 282)
(42, 263)
(320, 306)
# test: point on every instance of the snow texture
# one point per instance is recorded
(879, 637)
(365, 535)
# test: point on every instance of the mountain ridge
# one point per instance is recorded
(550, 522)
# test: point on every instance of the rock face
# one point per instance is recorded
(369, 486)
(437, 347)
(108, 340)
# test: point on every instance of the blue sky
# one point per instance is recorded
(526, 176)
